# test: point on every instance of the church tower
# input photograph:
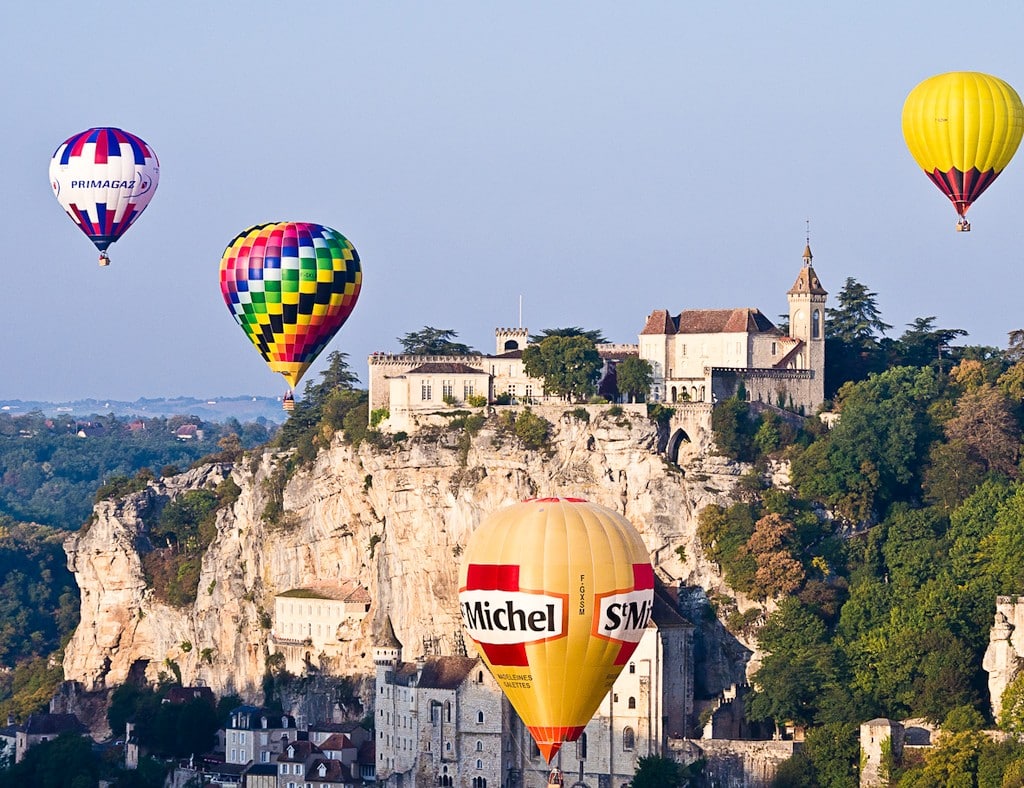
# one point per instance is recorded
(807, 323)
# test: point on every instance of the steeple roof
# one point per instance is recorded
(807, 281)
(388, 638)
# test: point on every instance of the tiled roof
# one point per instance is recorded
(333, 771)
(659, 322)
(52, 724)
(438, 672)
(336, 741)
(342, 591)
(388, 638)
(807, 281)
(445, 367)
(301, 750)
(723, 321)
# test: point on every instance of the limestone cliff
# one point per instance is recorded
(394, 520)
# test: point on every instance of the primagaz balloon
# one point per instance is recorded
(556, 594)
(963, 128)
(104, 178)
(290, 286)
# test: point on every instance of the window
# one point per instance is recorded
(467, 390)
(632, 703)
(447, 711)
(632, 667)
(581, 747)
(628, 739)
(447, 389)
(479, 717)
(775, 348)
(265, 756)
(425, 391)
(480, 677)
(529, 391)
(479, 746)
(479, 763)
(815, 324)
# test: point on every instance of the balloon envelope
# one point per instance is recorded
(556, 594)
(963, 128)
(104, 178)
(290, 286)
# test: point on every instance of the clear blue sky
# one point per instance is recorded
(601, 159)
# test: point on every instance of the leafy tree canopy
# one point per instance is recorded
(429, 341)
(569, 366)
(594, 335)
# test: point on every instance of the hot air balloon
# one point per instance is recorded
(556, 594)
(290, 286)
(963, 128)
(104, 178)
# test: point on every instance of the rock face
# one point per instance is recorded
(395, 521)
(1005, 653)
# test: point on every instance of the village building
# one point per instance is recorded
(313, 625)
(39, 728)
(443, 721)
(697, 356)
(704, 355)
(257, 735)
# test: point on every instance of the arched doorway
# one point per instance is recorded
(679, 437)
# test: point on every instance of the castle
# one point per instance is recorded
(697, 355)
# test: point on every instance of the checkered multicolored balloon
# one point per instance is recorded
(104, 178)
(290, 286)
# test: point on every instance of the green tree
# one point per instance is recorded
(873, 456)
(64, 762)
(569, 366)
(922, 344)
(798, 667)
(852, 339)
(633, 376)
(657, 771)
(594, 335)
(733, 429)
(429, 341)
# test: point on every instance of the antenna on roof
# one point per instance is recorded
(807, 249)
(520, 310)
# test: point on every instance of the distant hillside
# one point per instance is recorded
(218, 409)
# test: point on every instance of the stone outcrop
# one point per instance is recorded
(1005, 653)
(393, 520)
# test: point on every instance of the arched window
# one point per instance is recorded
(479, 763)
(479, 717)
(815, 324)
(628, 739)
(632, 667)
(480, 677)
(632, 702)
(581, 747)
(479, 746)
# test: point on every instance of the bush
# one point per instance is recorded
(532, 430)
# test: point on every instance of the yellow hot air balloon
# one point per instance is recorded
(963, 128)
(556, 594)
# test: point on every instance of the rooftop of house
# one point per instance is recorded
(342, 591)
(709, 321)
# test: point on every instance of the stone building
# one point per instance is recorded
(313, 625)
(703, 355)
(444, 721)
(40, 728)
(256, 735)
(697, 355)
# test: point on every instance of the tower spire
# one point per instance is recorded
(808, 257)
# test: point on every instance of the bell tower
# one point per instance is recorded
(807, 323)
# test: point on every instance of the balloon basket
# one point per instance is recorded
(104, 260)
